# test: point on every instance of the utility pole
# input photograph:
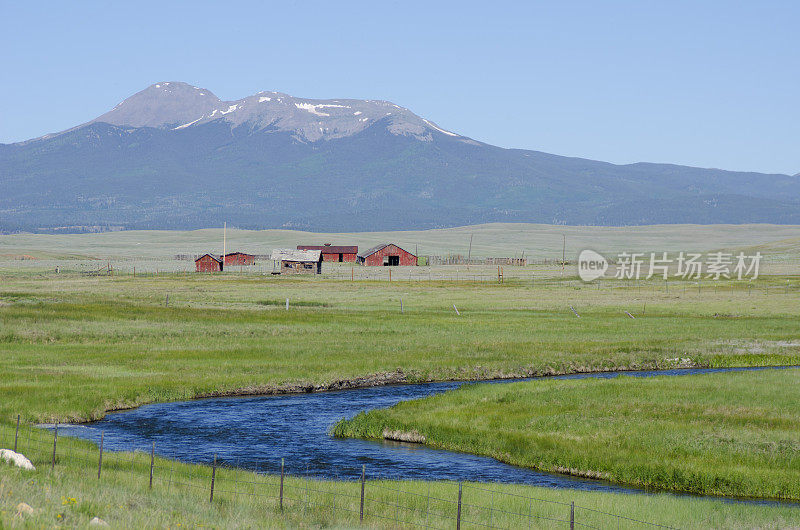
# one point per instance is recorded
(563, 252)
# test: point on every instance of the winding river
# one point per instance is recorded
(256, 432)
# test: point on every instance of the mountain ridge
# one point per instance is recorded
(176, 156)
(177, 105)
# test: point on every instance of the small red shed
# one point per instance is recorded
(239, 258)
(335, 253)
(388, 255)
(208, 263)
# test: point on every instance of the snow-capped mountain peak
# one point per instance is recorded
(178, 106)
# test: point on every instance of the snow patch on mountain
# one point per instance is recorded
(311, 108)
(439, 129)
(188, 124)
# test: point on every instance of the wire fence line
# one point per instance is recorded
(310, 496)
(765, 284)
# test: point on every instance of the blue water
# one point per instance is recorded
(256, 432)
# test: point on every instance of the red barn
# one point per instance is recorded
(339, 254)
(239, 258)
(208, 263)
(388, 255)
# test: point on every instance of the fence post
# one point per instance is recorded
(458, 513)
(287, 304)
(213, 476)
(572, 516)
(55, 440)
(281, 493)
(361, 511)
(16, 435)
(100, 458)
(152, 462)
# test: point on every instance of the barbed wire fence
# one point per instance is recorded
(312, 496)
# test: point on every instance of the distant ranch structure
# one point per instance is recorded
(208, 263)
(239, 258)
(290, 261)
(334, 253)
(387, 255)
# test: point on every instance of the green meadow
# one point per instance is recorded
(76, 346)
(79, 343)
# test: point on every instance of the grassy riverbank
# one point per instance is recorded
(734, 434)
(71, 495)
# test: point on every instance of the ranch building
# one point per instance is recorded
(208, 263)
(387, 255)
(288, 261)
(239, 258)
(334, 253)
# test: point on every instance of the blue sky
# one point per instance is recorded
(711, 84)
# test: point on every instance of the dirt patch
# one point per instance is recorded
(585, 473)
(379, 379)
(401, 436)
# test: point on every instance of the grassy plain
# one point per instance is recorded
(75, 345)
(537, 241)
(733, 434)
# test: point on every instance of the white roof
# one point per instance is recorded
(290, 254)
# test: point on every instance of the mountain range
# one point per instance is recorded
(175, 156)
